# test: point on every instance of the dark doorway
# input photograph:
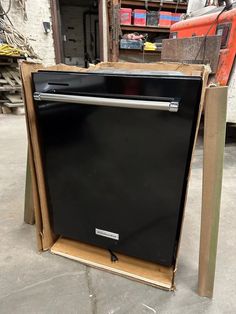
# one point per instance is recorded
(79, 32)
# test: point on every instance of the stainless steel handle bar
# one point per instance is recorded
(171, 106)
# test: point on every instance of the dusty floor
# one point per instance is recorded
(31, 282)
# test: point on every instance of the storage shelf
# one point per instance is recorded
(145, 52)
(151, 30)
(134, 28)
(155, 4)
(11, 57)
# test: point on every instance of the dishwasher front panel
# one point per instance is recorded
(116, 176)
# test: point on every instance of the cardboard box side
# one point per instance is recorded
(205, 76)
(40, 203)
(65, 67)
(149, 273)
(36, 204)
(34, 191)
(187, 69)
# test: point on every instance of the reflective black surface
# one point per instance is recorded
(118, 169)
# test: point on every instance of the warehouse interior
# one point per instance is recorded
(118, 156)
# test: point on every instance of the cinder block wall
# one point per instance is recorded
(37, 12)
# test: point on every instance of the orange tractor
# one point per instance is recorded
(221, 22)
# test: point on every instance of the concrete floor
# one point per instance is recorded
(32, 282)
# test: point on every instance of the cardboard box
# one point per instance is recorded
(146, 272)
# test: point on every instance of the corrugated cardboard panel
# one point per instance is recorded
(133, 268)
(187, 69)
(205, 76)
(40, 201)
(25, 77)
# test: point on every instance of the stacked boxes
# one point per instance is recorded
(139, 17)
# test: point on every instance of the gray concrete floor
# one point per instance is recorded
(32, 282)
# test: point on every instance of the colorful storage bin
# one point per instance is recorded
(152, 18)
(165, 19)
(140, 17)
(125, 16)
(175, 18)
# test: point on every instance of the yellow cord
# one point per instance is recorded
(7, 50)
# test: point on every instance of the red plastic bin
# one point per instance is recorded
(165, 19)
(140, 17)
(175, 18)
(125, 16)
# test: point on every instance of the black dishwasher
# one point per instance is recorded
(116, 150)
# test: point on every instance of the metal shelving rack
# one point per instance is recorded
(116, 30)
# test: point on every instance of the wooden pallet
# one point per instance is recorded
(10, 60)
(10, 90)
(9, 76)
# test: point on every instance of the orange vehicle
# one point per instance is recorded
(221, 22)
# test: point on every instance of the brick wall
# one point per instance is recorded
(37, 11)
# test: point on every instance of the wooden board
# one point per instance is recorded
(114, 29)
(7, 76)
(13, 105)
(134, 56)
(155, 4)
(5, 110)
(150, 273)
(14, 75)
(213, 154)
(8, 88)
(204, 50)
(29, 205)
(13, 98)
(145, 28)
